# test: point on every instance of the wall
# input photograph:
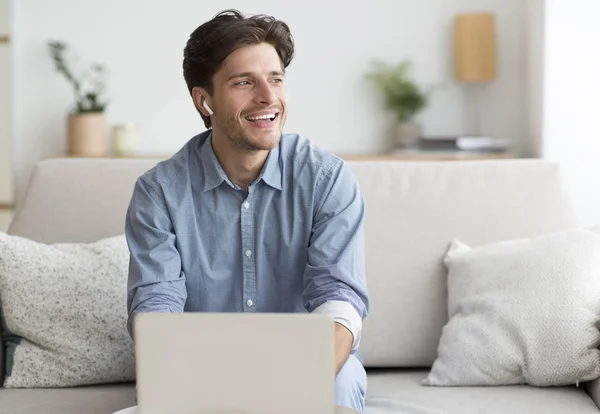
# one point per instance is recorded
(571, 131)
(141, 41)
(534, 64)
(6, 178)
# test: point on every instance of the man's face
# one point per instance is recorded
(249, 100)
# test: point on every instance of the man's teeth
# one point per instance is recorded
(256, 118)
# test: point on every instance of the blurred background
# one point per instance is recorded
(519, 78)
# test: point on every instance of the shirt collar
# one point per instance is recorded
(214, 175)
(271, 173)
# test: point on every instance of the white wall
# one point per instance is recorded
(6, 171)
(571, 116)
(141, 41)
(534, 63)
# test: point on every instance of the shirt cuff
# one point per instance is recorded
(344, 314)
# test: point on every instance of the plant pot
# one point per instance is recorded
(407, 134)
(86, 135)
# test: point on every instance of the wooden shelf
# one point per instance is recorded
(118, 157)
(408, 155)
(415, 155)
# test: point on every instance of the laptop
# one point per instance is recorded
(235, 363)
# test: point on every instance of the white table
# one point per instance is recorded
(338, 410)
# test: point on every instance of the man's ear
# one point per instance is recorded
(200, 96)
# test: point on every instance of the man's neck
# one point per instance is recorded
(241, 166)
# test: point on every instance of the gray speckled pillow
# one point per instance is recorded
(63, 309)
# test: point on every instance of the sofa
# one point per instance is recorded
(413, 211)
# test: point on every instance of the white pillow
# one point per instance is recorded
(522, 311)
(64, 312)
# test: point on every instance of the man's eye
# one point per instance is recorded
(277, 80)
(243, 83)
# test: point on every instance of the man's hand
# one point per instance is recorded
(343, 345)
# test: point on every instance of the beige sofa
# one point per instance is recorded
(413, 211)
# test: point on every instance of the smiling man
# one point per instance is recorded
(245, 218)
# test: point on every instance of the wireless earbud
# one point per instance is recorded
(205, 105)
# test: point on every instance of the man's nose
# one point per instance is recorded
(265, 93)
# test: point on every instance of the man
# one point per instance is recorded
(244, 218)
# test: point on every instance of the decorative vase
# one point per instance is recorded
(86, 135)
(407, 134)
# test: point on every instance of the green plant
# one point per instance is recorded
(400, 93)
(88, 85)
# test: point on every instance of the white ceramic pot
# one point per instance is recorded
(125, 139)
(407, 134)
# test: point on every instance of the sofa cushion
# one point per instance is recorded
(413, 210)
(391, 391)
(522, 311)
(64, 312)
(100, 399)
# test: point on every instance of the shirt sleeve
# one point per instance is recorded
(156, 282)
(344, 314)
(334, 278)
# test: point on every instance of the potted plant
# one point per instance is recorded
(402, 96)
(86, 125)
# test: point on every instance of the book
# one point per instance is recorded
(463, 143)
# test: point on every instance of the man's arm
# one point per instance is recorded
(334, 280)
(156, 282)
(348, 325)
(343, 345)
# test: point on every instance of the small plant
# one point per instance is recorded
(400, 93)
(88, 86)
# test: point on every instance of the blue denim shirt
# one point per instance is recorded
(292, 243)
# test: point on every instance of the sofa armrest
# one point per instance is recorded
(593, 389)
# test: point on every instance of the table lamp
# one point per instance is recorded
(475, 56)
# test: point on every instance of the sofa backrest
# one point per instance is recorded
(414, 209)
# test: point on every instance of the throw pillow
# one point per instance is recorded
(523, 311)
(63, 309)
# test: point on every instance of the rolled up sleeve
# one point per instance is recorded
(334, 278)
(156, 282)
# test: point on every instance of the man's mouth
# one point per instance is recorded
(263, 118)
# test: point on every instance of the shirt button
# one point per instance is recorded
(249, 302)
(248, 253)
(246, 205)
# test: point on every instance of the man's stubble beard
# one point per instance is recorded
(236, 138)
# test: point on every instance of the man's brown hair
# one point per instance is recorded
(211, 43)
